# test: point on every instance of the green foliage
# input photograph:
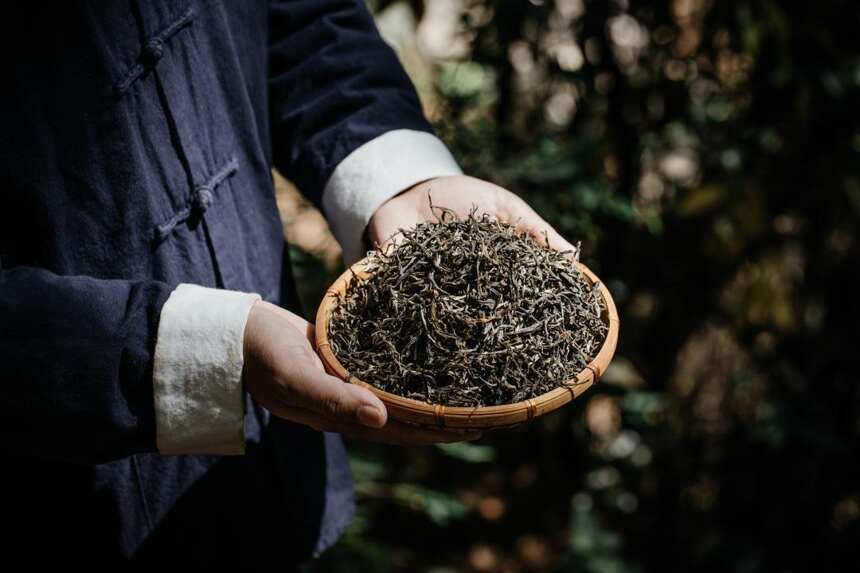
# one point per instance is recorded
(441, 508)
(463, 80)
(372, 479)
(593, 549)
(467, 452)
(706, 153)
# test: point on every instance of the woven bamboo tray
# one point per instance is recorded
(483, 417)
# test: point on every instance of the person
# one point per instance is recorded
(160, 403)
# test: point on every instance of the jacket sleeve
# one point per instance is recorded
(334, 84)
(347, 125)
(76, 365)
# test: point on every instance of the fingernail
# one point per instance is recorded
(370, 416)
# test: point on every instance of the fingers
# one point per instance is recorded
(535, 226)
(391, 433)
(316, 391)
(308, 395)
(282, 370)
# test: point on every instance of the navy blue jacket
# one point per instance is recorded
(137, 143)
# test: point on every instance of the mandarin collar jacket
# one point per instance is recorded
(137, 147)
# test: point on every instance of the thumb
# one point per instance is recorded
(529, 221)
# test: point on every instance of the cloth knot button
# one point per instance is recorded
(203, 198)
(152, 51)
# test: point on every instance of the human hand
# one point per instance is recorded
(460, 194)
(284, 374)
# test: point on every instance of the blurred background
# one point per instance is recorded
(706, 154)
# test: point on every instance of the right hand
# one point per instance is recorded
(284, 374)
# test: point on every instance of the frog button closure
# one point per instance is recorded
(201, 199)
(152, 51)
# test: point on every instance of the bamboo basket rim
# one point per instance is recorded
(438, 415)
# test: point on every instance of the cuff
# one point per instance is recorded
(375, 172)
(197, 372)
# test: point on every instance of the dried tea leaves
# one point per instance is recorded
(468, 312)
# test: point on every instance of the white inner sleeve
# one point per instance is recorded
(197, 372)
(375, 172)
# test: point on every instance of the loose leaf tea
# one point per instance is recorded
(468, 312)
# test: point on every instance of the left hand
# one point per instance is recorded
(460, 194)
(284, 374)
